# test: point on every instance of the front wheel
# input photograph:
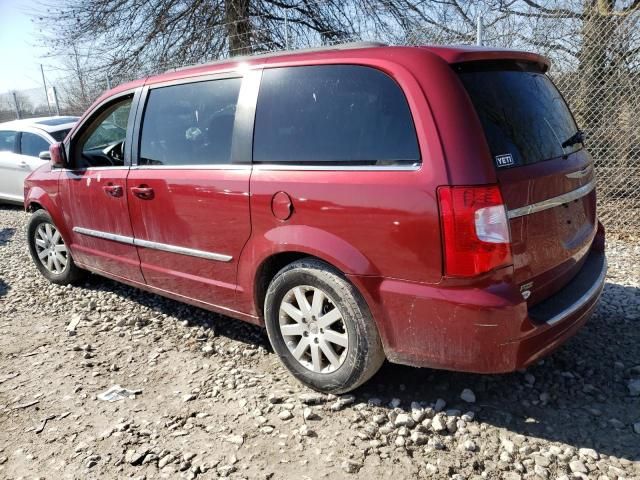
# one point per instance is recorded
(321, 327)
(49, 251)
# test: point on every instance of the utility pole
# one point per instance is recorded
(54, 96)
(15, 104)
(479, 32)
(44, 83)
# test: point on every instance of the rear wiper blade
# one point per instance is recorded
(577, 137)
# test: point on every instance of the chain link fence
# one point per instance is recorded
(595, 56)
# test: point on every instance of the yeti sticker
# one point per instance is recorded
(504, 160)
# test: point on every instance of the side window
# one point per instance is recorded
(189, 124)
(7, 141)
(101, 144)
(333, 115)
(32, 144)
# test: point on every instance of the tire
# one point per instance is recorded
(48, 249)
(299, 333)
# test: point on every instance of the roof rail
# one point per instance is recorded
(327, 48)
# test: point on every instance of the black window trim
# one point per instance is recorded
(242, 126)
(97, 110)
(334, 167)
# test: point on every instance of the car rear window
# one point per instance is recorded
(190, 124)
(525, 118)
(333, 115)
(60, 135)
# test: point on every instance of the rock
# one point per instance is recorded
(419, 438)
(634, 387)
(439, 423)
(166, 460)
(508, 446)
(404, 420)
(312, 398)
(342, 402)
(469, 446)
(440, 404)
(511, 476)
(541, 472)
(135, 457)
(588, 452)
(636, 427)
(541, 460)
(305, 431)
(235, 439)
(351, 466)
(577, 466)
(275, 398)
(189, 397)
(285, 415)
(468, 396)
(309, 414)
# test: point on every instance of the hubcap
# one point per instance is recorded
(313, 329)
(50, 248)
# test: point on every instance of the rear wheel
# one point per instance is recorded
(49, 251)
(321, 327)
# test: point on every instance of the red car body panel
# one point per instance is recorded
(380, 228)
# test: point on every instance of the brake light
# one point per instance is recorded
(475, 230)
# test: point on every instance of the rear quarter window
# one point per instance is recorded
(333, 115)
(524, 117)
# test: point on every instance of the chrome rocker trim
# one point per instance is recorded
(153, 245)
(552, 202)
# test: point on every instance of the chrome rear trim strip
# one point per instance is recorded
(594, 291)
(552, 202)
(153, 245)
(182, 250)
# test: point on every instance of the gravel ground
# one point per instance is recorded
(213, 401)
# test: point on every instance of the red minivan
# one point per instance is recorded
(434, 206)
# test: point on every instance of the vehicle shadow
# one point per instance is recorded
(578, 396)
(6, 234)
(196, 317)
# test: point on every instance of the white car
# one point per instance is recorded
(21, 143)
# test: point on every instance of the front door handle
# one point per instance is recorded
(144, 192)
(113, 190)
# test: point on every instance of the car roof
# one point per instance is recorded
(359, 50)
(46, 124)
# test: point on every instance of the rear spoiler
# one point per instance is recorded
(479, 54)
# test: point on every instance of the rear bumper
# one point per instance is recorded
(483, 330)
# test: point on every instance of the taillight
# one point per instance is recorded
(475, 230)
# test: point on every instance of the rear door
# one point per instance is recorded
(189, 192)
(545, 174)
(8, 164)
(30, 145)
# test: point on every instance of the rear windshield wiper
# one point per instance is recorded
(577, 137)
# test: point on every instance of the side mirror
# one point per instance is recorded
(44, 155)
(56, 155)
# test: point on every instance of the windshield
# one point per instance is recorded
(525, 119)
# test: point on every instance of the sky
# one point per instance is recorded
(20, 54)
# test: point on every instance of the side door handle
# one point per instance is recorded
(113, 190)
(143, 191)
(23, 164)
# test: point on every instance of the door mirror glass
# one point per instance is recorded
(58, 158)
(44, 155)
